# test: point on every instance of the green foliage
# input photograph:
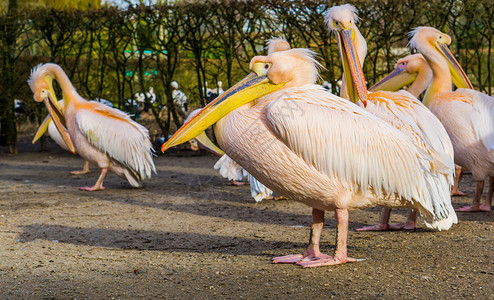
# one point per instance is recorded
(55, 4)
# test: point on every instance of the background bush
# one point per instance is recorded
(112, 53)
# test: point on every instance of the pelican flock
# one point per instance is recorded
(333, 156)
(400, 109)
(376, 147)
(467, 115)
(413, 70)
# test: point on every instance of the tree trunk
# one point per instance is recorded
(8, 129)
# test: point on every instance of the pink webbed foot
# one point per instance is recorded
(92, 188)
(328, 261)
(287, 259)
(386, 227)
(457, 192)
(239, 183)
(474, 208)
(378, 227)
(79, 172)
(309, 255)
(276, 198)
(485, 208)
(84, 170)
(403, 226)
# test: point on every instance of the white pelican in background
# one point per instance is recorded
(316, 148)
(229, 169)
(410, 70)
(414, 70)
(400, 109)
(104, 136)
(467, 115)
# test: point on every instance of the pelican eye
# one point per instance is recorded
(266, 66)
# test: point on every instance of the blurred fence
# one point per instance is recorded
(112, 54)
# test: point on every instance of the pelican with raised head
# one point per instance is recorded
(316, 148)
(104, 136)
(467, 115)
(400, 109)
(413, 70)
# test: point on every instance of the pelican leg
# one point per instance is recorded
(455, 191)
(340, 255)
(409, 224)
(312, 252)
(476, 199)
(488, 200)
(99, 183)
(85, 169)
(383, 222)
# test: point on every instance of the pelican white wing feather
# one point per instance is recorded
(103, 127)
(405, 112)
(258, 190)
(228, 168)
(344, 141)
(483, 116)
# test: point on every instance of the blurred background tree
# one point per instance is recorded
(55, 4)
(115, 49)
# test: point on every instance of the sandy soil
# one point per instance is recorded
(188, 234)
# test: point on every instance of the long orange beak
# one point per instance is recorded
(395, 80)
(354, 75)
(253, 86)
(59, 121)
(458, 76)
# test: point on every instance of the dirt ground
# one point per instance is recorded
(189, 234)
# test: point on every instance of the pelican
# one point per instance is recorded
(467, 115)
(414, 70)
(104, 136)
(316, 148)
(400, 109)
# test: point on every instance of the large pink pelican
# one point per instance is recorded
(104, 136)
(413, 70)
(316, 148)
(400, 109)
(468, 115)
